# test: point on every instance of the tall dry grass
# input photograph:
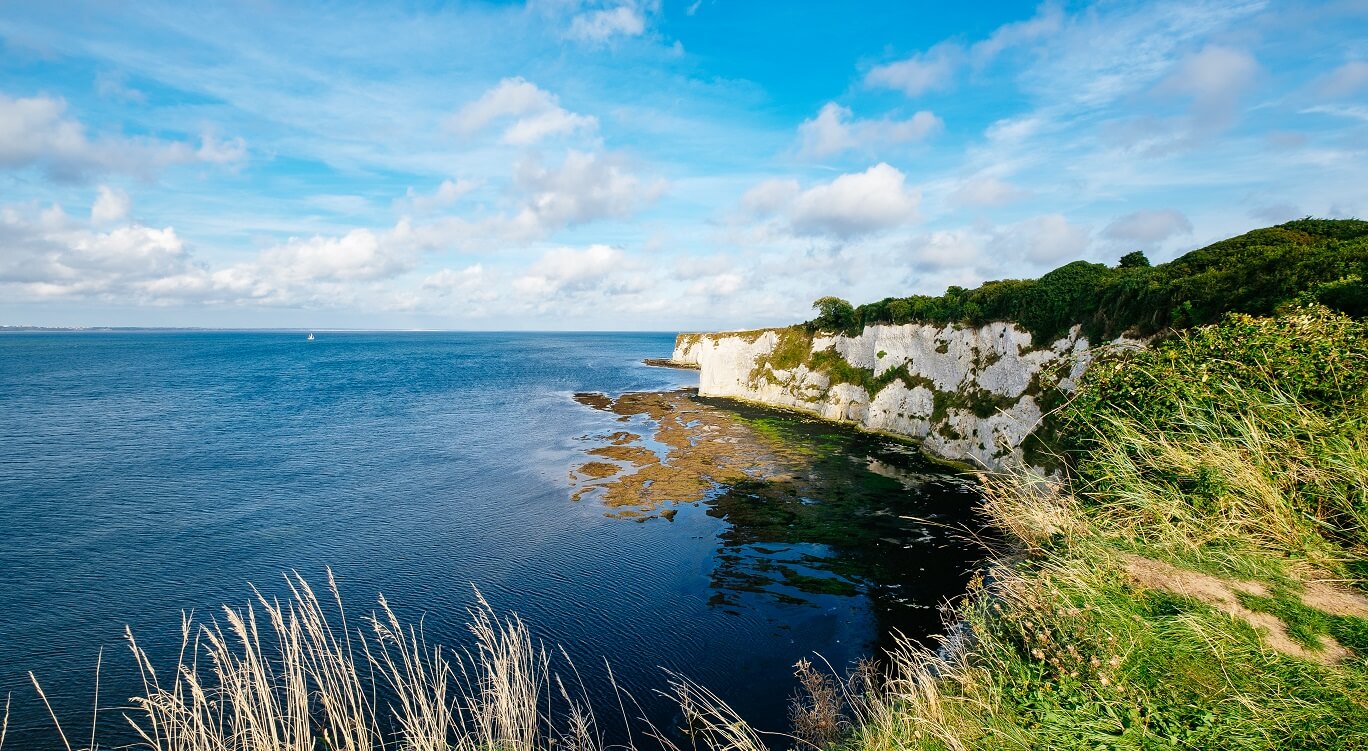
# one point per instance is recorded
(1269, 471)
(293, 675)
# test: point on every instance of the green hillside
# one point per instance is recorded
(1308, 260)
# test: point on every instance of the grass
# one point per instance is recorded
(294, 675)
(1127, 610)
(1307, 625)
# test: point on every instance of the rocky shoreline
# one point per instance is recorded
(664, 362)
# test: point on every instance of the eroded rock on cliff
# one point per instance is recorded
(971, 394)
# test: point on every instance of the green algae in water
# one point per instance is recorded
(866, 514)
(817, 513)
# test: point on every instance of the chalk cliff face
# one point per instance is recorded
(971, 394)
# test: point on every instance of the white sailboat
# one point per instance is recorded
(311, 336)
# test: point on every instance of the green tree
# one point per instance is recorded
(1134, 260)
(833, 314)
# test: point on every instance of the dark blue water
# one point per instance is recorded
(143, 474)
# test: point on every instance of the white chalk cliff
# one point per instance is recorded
(970, 394)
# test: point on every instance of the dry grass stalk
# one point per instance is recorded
(815, 712)
(1030, 509)
(285, 675)
(709, 722)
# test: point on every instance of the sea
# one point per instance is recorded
(149, 475)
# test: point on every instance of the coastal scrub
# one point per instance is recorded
(1194, 582)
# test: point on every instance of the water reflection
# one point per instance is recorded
(817, 512)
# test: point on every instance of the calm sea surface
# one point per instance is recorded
(143, 474)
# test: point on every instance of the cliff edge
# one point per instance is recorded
(970, 394)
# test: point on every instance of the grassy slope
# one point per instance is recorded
(1162, 597)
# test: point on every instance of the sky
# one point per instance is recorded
(642, 164)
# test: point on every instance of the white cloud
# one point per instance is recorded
(585, 187)
(856, 204)
(1346, 80)
(49, 255)
(53, 218)
(720, 285)
(569, 269)
(510, 98)
(1214, 77)
(945, 249)
(36, 132)
(828, 133)
(770, 196)
(530, 130)
(1211, 81)
(472, 284)
(936, 68)
(216, 151)
(111, 205)
(538, 114)
(1014, 130)
(1351, 112)
(1048, 20)
(134, 251)
(1148, 227)
(358, 255)
(920, 73)
(987, 191)
(1048, 238)
(446, 194)
(833, 131)
(54, 257)
(598, 25)
(601, 25)
(112, 86)
(445, 280)
(851, 205)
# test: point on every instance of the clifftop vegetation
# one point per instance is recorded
(1195, 581)
(1308, 260)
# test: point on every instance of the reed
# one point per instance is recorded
(290, 675)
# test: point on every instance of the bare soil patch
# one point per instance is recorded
(1223, 594)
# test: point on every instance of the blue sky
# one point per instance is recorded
(641, 164)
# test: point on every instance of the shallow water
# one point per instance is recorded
(147, 473)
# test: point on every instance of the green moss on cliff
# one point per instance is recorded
(793, 348)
